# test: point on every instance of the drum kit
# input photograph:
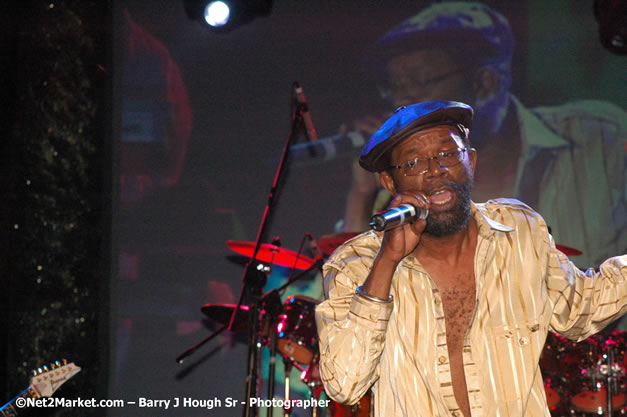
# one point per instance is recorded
(296, 333)
(586, 378)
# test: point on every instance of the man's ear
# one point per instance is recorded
(387, 182)
(486, 83)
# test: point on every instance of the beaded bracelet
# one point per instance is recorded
(360, 292)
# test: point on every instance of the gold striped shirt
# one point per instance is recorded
(524, 288)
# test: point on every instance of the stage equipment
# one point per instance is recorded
(226, 15)
(298, 337)
(45, 381)
(254, 279)
(272, 254)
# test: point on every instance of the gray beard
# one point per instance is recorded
(456, 219)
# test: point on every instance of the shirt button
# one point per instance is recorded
(455, 414)
(442, 360)
(524, 341)
(437, 302)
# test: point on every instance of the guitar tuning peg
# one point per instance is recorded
(57, 363)
(45, 368)
(39, 371)
(52, 365)
(64, 361)
(34, 371)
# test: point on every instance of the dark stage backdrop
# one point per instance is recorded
(201, 122)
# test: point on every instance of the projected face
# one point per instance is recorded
(442, 74)
(425, 75)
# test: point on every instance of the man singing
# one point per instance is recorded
(448, 316)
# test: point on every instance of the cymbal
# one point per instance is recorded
(221, 313)
(568, 251)
(271, 254)
(329, 243)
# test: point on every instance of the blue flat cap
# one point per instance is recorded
(408, 120)
(469, 27)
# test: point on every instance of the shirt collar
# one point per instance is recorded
(486, 225)
(533, 131)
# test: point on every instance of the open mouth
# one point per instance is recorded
(441, 197)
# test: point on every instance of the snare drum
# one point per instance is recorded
(595, 402)
(298, 337)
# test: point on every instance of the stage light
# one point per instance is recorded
(226, 15)
(217, 13)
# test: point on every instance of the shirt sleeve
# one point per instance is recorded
(351, 331)
(585, 302)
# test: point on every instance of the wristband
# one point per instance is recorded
(360, 292)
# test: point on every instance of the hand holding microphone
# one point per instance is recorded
(407, 209)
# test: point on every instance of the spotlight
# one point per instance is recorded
(217, 13)
(226, 15)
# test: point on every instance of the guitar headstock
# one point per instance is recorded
(47, 379)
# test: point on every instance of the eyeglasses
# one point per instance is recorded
(419, 166)
(416, 81)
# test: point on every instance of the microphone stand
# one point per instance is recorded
(273, 306)
(254, 280)
(254, 288)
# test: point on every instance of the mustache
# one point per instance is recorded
(458, 187)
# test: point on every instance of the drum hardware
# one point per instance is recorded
(311, 377)
(272, 307)
(296, 338)
(311, 374)
(606, 390)
(612, 372)
(586, 378)
(222, 313)
(288, 367)
(288, 330)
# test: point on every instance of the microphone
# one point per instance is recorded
(299, 96)
(397, 216)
